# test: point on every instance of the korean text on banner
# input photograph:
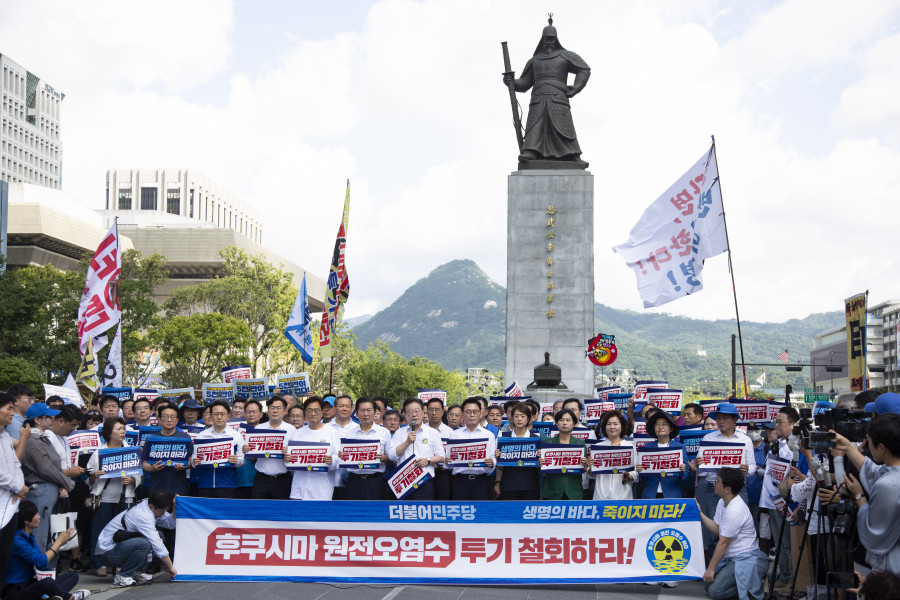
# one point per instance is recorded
(659, 461)
(562, 458)
(518, 452)
(594, 409)
(83, 441)
(307, 456)
(681, 229)
(467, 453)
(777, 468)
(752, 411)
(172, 395)
(264, 443)
(150, 395)
(611, 460)
(690, 438)
(855, 313)
(214, 453)
(407, 478)
(294, 384)
(249, 389)
(218, 391)
(168, 450)
(119, 462)
(467, 543)
(641, 387)
(666, 399)
(716, 455)
(427, 394)
(604, 392)
(229, 374)
(99, 308)
(359, 454)
(69, 396)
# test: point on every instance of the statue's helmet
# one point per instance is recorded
(549, 30)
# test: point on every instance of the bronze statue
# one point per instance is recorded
(549, 141)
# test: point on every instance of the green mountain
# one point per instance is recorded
(457, 317)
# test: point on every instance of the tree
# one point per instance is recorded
(323, 371)
(18, 370)
(251, 290)
(195, 347)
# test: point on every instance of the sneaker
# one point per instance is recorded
(101, 572)
(77, 566)
(80, 594)
(123, 580)
(141, 576)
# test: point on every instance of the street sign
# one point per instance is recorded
(811, 397)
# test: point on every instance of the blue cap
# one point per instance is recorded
(329, 399)
(885, 403)
(724, 408)
(191, 403)
(39, 409)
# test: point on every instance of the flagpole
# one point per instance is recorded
(731, 271)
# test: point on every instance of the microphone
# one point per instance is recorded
(792, 444)
(33, 486)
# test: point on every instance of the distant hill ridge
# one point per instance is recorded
(457, 317)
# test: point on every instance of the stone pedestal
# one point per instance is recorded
(534, 198)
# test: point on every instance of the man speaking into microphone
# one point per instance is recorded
(420, 441)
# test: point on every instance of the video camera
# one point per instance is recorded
(842, 515)
(812, 439)
(852, 424)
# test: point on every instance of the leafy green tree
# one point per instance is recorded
(18, 370)
(251, 290)
(323, 371)
(195, 347)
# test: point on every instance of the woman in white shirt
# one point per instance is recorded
(613, 426)
(116, 493)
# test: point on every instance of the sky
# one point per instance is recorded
(283, 101)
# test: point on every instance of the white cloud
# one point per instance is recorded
(411, 108)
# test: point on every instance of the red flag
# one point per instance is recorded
(99, 309)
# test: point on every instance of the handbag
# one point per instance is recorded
(92, 502)
(123, 534)
(60, 523)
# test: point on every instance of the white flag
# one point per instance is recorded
(112, 374)
(99, 308)
(681, 229)
(762, 379)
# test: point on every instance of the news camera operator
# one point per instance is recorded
(879, 477)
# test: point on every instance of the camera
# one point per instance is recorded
(842, 515)
(851, 424)
(810, 438)
(841, 581)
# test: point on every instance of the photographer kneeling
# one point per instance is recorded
(879, 531)
(737, 567)
(131, 535)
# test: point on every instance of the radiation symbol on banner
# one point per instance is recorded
(602, 350)
(669, 551)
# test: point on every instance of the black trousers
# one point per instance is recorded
(425, 492)
(7, 535)
(60, 586)
(472, 487)
(219, 492)
(267, 487)
(520, 495)
(369, 486)
(443, 484)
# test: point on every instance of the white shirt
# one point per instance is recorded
(803, 492)
(316, 485)
(428, 444)
(110, 490)
(11, 479)
(609, 486)
(463, 433)
(274, 466)
(443, 429)
(342, 431)
(61, 445)
(736, 522)
(749, 457)
(769, 486)
(137, 518)
(210, 434)
(376, 432)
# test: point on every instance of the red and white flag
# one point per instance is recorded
(99, 309)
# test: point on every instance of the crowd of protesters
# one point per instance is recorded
(747, 516)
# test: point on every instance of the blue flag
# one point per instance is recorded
(297, 330)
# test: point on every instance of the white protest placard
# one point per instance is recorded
(214, 453)
(294, 384)
(307, 456)
(218, 391)
(752, 412)
(667, 400)
(716, 455)
(264, 443)
(427, 394)
(248, 389)
(360, 454)
(546, 407)
(562, 458)
(143, 394)
(659, 461)
(407, 478)
(82, 442)
(642, 439)
(594, 409)
(581, 433)
(604, 392)
(229, 374)
(173, 394)
(777, 468)
(69, 396)
(611, 460)
(641, 387)
(466, 453)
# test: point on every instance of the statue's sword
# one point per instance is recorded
(517, 121)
